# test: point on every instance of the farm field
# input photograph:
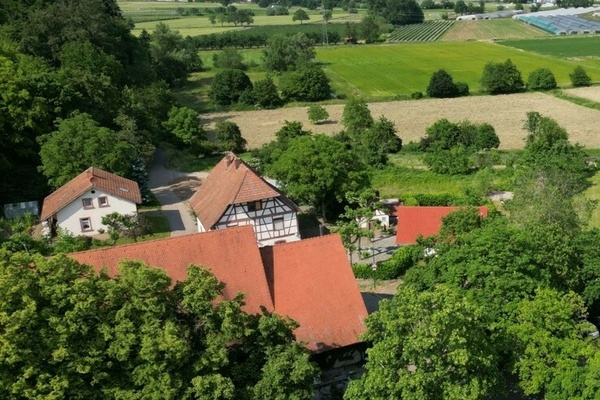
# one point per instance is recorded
(428, 31)
(505, 113)
(563, 47)
(591, 93)
(491, 29)
(400, 69)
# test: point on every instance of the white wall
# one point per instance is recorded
(69, 217)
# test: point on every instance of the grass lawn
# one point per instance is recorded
(184, 161)
(563, 47)
(386, 71)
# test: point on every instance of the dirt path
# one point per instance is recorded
(505, 113)
(172, 190)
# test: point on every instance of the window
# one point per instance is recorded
(277, 224)
(87, 203)
(103, 201)
(255, 205)
(86, 224)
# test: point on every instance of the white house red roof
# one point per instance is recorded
(91, 178)
(310, 280)
(231, 181)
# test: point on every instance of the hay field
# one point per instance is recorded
(491, 29)
(590, 93)
(505, 113)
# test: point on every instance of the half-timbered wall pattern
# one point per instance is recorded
(272, 214)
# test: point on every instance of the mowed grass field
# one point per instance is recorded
(385, 71)
(491, 29)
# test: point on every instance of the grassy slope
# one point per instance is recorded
(401, 69)
(492, 29)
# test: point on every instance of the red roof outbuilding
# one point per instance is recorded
(421, 220)
(310, 281)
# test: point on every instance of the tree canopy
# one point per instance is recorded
(70, 333)
(396, 12)
(286, 53)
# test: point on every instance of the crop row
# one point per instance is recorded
(428, 31)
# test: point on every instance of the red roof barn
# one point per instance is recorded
(426, 221)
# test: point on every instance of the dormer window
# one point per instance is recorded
(87, 203)
(255, 205)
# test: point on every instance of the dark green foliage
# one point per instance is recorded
(277, 10)
(228, 86)
(402, 259)
(265, 93)
(401, 12)
(502, 78)
(65, 243)
(300, 15)
(369, 29)
(462, 88)
(79, 143)
(579, 77)
(286, 53)
(455, 161)
(460, 222)
(229, 58)
(306, 84)
(135, 337)
(356, 116)
(184, 125)
(416, 95)
(317, 114)
(574, 3)
(541, 79)
(230, 137)
(441, 85)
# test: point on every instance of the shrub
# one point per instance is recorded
(228, 85)
(416, 95)
(462, 89)
(229, 58)
(230, 137)
(579, 77)
(441, 85)
(307, 84)
(277, 10)
(317, 113)
(541, 79)
(403, 259)
(265, 93)
(502, 78)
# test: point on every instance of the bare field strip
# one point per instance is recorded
(505, 113)
(590, 93)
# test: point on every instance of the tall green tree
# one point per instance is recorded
(79, 143)
(319, 171)
(502, 78)
(396, 12)
(286, 53)
(184, 125)
(228, 85)
(427, 345)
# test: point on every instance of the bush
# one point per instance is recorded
(228, 86)
(317, 114)
(579, 77)
(502, 78)
(462, 89)
(416, 95)
(541, 79)
(441, 85)
(265, 93)
(403, 259)
(230, 137)
(277, 10)
(229, 58)
(307, 84)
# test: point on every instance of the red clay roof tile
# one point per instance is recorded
(419, 220)
(231, 254)
(88, 179)
(312, 282)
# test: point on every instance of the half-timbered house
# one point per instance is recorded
(233, 194)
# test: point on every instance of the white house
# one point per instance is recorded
(233, 194)
(79, 205)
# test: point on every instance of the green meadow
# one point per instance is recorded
(387, 71)
(562, 47)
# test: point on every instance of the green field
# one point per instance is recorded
(385, 71)
(491, 29)
(563, 47)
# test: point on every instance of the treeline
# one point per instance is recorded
(259, 36)
(78, 89)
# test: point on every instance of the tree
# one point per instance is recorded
(317, 114)
(427, 345)
(318, 170)
(184, 125)
(402, 12)
(306, 84)
(228, 86)
(266, 94)
(541, 79)
(230, 137)
(501, 78)
(229, 58)
(460, 7)
(128, 225)
(86, 335)
(286, 53)
(369, 29)
(300, 15)
(579, 77)
(441, 85)
(79, 143)
(356, 116)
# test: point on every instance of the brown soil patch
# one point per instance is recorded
(505, 113)
(185, 187)
(383, 287)
(590, 93)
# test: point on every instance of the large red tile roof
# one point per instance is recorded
(231, 181)
(312, 282)
(231, 254)
(88, 179)
(419, 220)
